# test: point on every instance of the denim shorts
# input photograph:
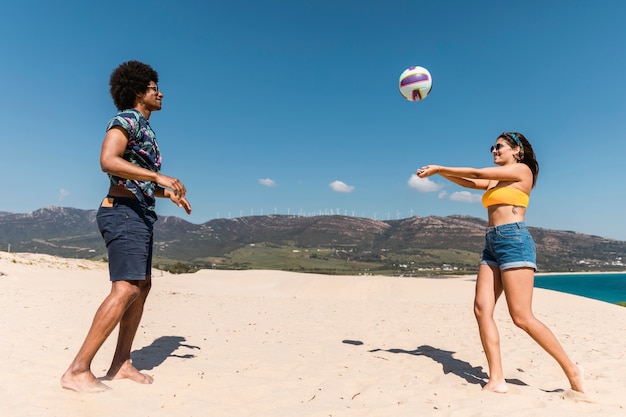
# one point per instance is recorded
(509, 246)
(126, 227)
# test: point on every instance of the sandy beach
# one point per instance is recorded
(271, 343)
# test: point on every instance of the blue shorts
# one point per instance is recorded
(126, 226)
(509, 246)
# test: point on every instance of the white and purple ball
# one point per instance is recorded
(415, 83)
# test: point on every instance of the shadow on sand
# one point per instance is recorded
(149, 357)
(450, 364)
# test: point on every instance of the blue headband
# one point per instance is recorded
(518, 142)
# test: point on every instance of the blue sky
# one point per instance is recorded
(270, 105)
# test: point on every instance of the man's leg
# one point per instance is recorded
(121, 366)
(79, 377)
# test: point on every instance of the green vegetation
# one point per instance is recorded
(176, 267)
(344, 260)
(293, 258)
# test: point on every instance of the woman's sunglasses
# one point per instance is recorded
(497, 147)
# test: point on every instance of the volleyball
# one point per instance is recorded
(415, 83)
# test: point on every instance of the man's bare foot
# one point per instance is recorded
(577, 380)
(498, 387)
(128, 371)
(82, 382)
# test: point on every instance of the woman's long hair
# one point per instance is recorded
(526, 154)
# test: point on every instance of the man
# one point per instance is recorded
(131, 158)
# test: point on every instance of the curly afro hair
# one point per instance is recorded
(128, 80)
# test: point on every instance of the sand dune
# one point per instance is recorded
(270, 343)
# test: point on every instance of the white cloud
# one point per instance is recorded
(423, 185)
(63, 193)
(267, 182)
(341, 187)
(465, 197)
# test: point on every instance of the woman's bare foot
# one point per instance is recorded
(577, 380)
(82, 382)
(128, 371)
(499, 387)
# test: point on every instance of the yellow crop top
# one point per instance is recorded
(505, 195)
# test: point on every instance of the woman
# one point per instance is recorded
(508, 263)
(131, 158)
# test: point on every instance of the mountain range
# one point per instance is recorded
(332, 244)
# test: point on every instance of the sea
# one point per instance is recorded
(609, 287)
